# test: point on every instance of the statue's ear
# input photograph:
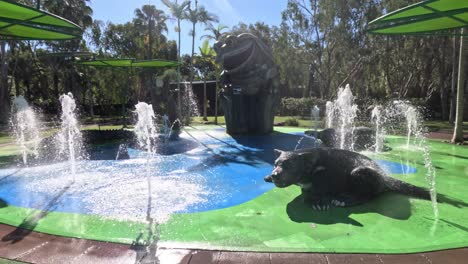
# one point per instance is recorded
(277, 152)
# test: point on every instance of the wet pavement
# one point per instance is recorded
(29, 246)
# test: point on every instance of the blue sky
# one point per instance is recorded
(230, 13)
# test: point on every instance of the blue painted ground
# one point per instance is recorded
(221, 172)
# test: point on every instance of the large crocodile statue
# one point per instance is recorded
(251, 84)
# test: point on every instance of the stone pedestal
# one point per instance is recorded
(249, 114)
(250, 79)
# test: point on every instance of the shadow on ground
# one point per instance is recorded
(249, 150)
(390, 205)
(30, 222)
(6, 161)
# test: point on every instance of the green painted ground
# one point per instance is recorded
(7, 261)
(278, 221)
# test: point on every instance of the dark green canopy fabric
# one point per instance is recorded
(432, 17)
(129, 63)
(20, 22)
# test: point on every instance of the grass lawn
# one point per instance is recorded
(440, 125)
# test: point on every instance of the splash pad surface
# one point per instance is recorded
(249, 216)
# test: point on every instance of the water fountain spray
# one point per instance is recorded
(69, 138)
(145, 130)
(377, 119)
(329, 114)
(341, 114)
(315, 115)
(415, 128)
(25, 128)
(190, 106)
(166, 127)
(411, 116)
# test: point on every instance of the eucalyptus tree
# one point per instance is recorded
(177, 11)
(79, 12)
(458, 130)
(4, 87)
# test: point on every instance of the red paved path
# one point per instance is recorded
(26, 246)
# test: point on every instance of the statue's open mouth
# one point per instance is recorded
(236, 58)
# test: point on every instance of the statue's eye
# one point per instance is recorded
(229, 42)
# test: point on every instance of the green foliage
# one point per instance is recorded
(299, 106)
(319, 46)
(291, 122)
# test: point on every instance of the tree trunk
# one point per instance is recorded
(444, 106)
(4, 94)
(27, 94)
(17, 87)
(216, 104)
(125, 100)
(90, 99)
(179, 102)
(192, 70)
(454, 82)
(458, 131)
(443, 87)
(205, 118)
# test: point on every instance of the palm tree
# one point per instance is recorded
(216, 35)
(216, 32)
(154, 20)
(177, 12)
(77, 11)
(208, 54)
(197, 15)
(458, 130)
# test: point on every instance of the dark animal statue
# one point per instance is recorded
(251, 84)
(336, 177)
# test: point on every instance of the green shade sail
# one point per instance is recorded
(67, 54)
(20, 22)
(108, 63)
(154, 64)
(432, 17)
(129, 63)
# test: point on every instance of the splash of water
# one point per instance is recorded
(416, 129)
(341, 114)
(25, 128)
(330, 113)
(411, 116)
(145, 129)
(378, 119)
(190, 106)
(315, 115)
(69, 138)
(146, 132)
(166, 127)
